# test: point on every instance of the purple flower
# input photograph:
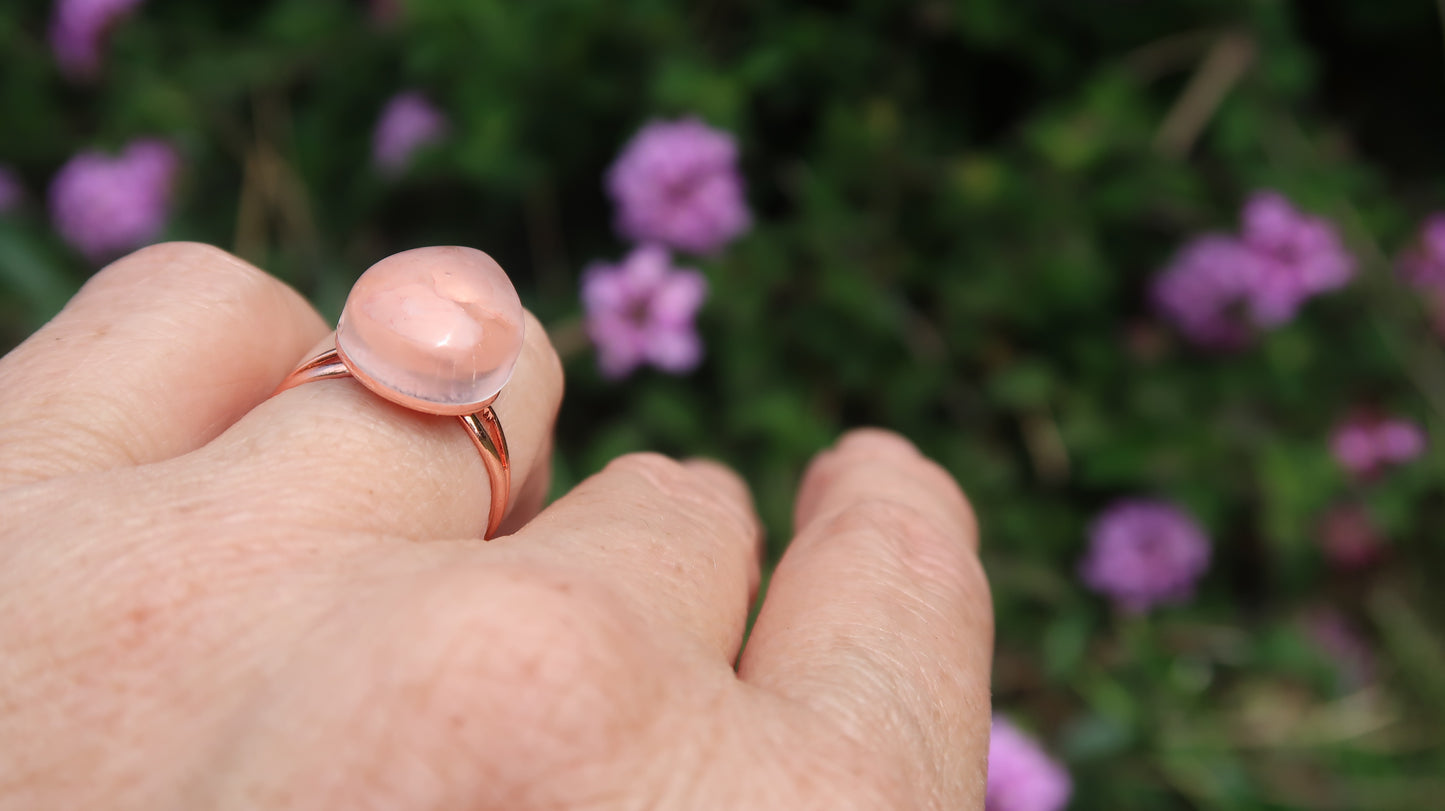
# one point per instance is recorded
(1021, 775)
(1353, 445)
(1206, 289)
(408, 123)
(78, 29)
(641, 311)
(1399, 441)
(1365, 445)
(1423, 264)
(1301, 256)
(11, 190)
(677, 183)
(1220, 290)
(1142, 553)
(105, 206)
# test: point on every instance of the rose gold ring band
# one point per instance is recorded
(482, 426)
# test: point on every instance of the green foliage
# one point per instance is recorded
(959, 205)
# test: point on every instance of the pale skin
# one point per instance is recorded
(212, 599)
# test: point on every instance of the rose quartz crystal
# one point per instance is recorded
(435, 329)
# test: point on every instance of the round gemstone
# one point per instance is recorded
(435, 329)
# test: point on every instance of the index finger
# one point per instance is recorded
(879, 616)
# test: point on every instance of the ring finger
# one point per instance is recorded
(334, 455)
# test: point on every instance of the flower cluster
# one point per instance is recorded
(106, 205)
(1220, 290)
(408, 123)
(1366, 445)
(675, 185)
(641, 310)
(1144, 553)
(78, 30)
(1021, 775)
(1206, 289)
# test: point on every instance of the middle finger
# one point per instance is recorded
(678, 542)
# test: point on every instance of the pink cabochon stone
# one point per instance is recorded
(434, 329)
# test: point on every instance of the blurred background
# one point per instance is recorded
(1158, 282)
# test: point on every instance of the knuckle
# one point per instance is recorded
(877, 442)
(861, 453)
(911, 538)
(219, 281)
(661, 474)
(656, 468)
(186, 253)
(178, 258)
(702, 499)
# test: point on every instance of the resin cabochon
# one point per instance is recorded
(437, 330)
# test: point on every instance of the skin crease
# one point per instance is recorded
(212, 599)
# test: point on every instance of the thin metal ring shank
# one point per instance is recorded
(483, 428)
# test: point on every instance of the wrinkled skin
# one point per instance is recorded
(212, 599)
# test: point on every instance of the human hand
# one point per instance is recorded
(212, 599)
